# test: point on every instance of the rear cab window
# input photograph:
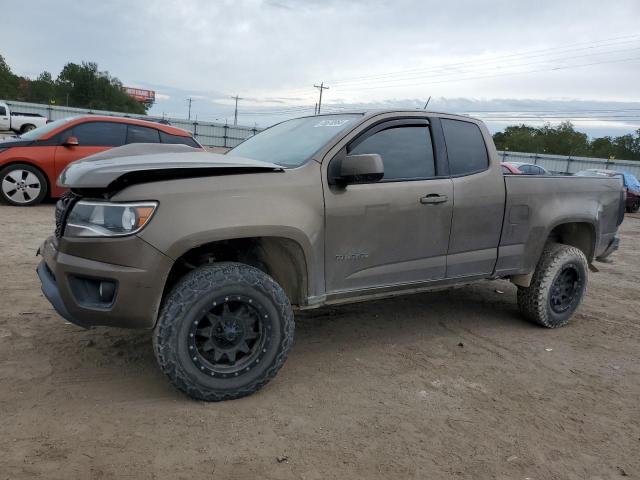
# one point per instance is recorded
(466, 150)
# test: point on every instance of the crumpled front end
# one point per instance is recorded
(102, 281)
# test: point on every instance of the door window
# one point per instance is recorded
(3, 111)
(139, 134)
(466, 150)
(407, 153)
(168, 138)
(99, 134)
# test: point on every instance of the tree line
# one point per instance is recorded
(565, 140)
(82, 86)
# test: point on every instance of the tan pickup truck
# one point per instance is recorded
(214, 252)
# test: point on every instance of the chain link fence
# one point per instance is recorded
(569, 164)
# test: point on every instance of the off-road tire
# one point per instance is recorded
(189, 298)
(534, 301)
(44, 188)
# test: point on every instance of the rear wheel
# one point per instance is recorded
(224, 332)
(557, 287)
(27, 128)
(634, 207)
(22, 185)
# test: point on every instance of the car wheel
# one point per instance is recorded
(22, 185)
(557, 287)
(223, 332)
(27, 128)
(635, 207)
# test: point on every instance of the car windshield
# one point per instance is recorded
(36, 133)
(291, 143)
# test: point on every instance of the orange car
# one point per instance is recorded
(31, 163)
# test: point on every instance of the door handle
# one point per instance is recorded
(433, 199)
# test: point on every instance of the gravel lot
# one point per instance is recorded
(443, 385)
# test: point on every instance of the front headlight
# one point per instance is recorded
(104, 219)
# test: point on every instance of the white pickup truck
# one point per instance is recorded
(19, 122)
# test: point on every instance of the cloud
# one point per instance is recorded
(367, 52)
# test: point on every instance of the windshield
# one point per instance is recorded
(292, 143)
(36, 133)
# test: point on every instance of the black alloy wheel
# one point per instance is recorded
(564, 289)
(231, 337)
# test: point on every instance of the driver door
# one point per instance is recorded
(396, 230)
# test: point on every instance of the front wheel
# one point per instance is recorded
(224, 331)
(557, 287)
(22, 185)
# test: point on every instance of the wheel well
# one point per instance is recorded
(27, 162)
(281, 258)
(577, 234)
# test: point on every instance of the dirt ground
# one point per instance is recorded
(442, 385)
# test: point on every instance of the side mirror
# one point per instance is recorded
(71, 142)
(352, 169)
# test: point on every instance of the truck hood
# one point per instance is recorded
(119, 167)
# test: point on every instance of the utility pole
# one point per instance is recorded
(189, 100)
(235, 113)
(320, 87)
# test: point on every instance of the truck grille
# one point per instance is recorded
(63, 206)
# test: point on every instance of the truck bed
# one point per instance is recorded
(536, 204)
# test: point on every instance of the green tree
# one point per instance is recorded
(518, 138)
(80, 85)
(8, 81)
(565, 140)
(90, 88)
(601, 147)
(43, 89)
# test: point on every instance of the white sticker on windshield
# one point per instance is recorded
(332, 122)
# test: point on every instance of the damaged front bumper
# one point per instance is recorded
(90, 292)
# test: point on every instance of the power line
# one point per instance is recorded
(564, 67)
(189, 115)
(235, 112)
(446, 68)
(445, 75)
(501, 58)
(320, 87)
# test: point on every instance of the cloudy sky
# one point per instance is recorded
(503, 61)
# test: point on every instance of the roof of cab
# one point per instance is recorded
(373, 113)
